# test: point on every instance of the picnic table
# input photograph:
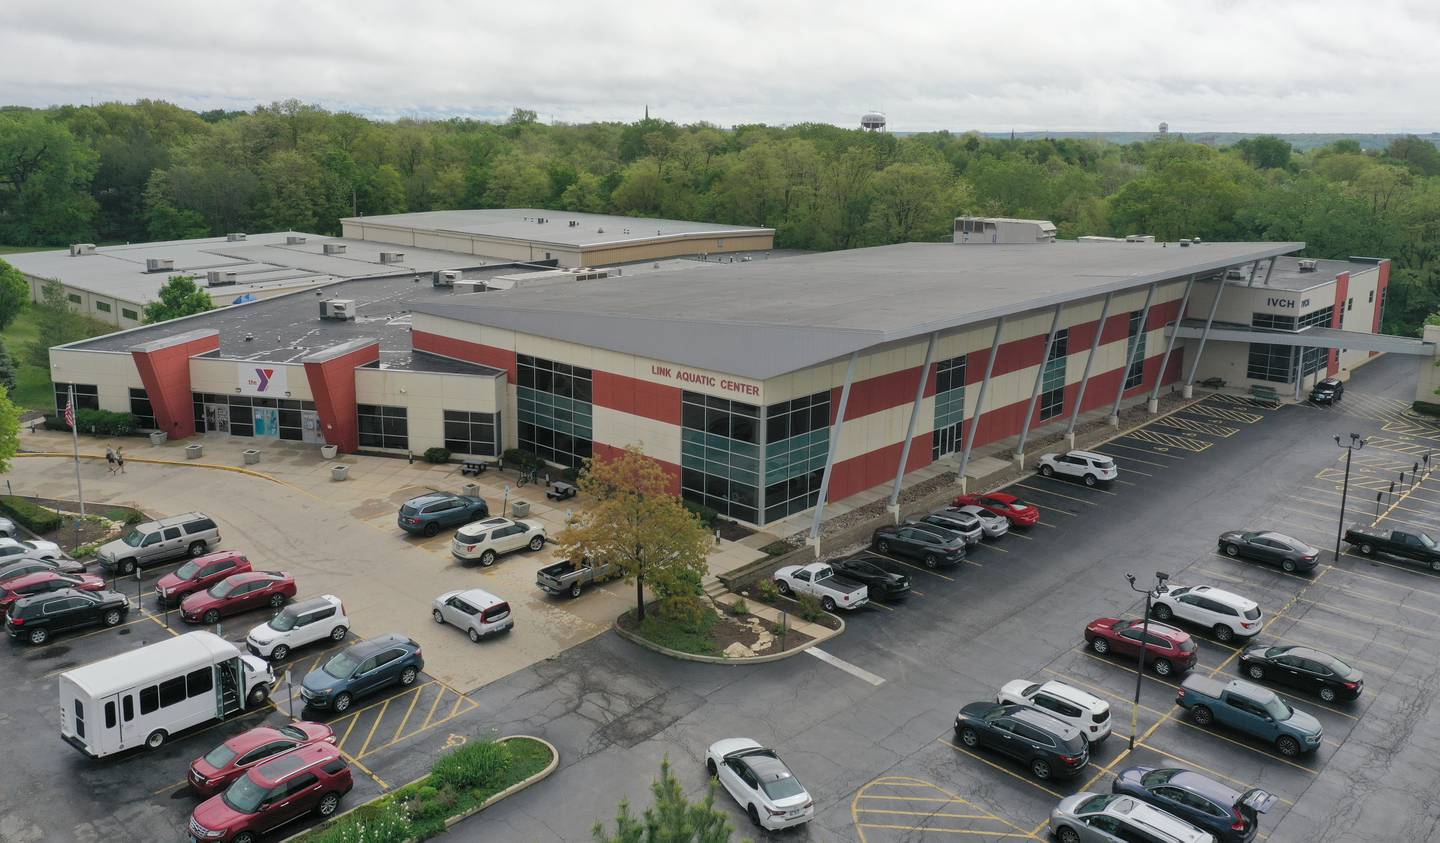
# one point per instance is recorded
(475, 467)
(559, 491)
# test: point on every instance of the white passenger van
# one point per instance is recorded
(145, 696)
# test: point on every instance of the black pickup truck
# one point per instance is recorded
(1416, 546)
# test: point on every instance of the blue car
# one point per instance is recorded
(362, 669)
(1199, 800)
(426, 514)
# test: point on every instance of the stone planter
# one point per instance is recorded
(329, 451)
(157, 437)
(520, 509)
(194, 452)
(471, 489)
(252, 456)
(339, 472)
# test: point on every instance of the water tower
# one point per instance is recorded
(1164, 129)
(873, 121)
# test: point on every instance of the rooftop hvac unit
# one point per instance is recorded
(159, 264)
(220, 278)
(341, 309)
(1139, 238)
(1185, 242)
(447, 277)
(1308, 264)
(294, 240)
(235, 236)
(82, 249)
(334, 248)
(1234, 274)
(392, 257)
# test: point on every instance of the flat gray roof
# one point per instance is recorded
(1287, 274)
(522, 224)
(765, 318)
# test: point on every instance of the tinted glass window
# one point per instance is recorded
(110, 714)
(199, 526)
(127, 707)
(149, 699)
(172, 691)
(172, 532)
(199, 682)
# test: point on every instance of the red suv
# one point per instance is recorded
(1167, 649)
(199, 573)
(43, 581)
(310, 778)
(221, 766)
(238, 593)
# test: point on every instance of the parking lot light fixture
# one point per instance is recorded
(1150, 593)
(1355, 444)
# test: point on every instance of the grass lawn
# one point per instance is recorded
(10, 250)
(33, 390)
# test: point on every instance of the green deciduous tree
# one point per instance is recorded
(672, 818)
(9, 430)
(180, 296)
(14, 294)
(1265, 152)
(7, 369)
(44, 181)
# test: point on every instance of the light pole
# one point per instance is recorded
(1150, 593)
(1355, 444)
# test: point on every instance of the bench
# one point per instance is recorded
(561, 491)
(1266, 393)
(1213, 383)
(475, 467)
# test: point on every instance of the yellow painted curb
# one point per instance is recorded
(182, 463)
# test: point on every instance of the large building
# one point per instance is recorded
(761, 385)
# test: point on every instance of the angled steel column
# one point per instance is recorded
(1170, 346)
(1039, 379)
(834, 448)
(1204, 335)
(1089, 361)
(1299, 369)
(1130, 355)
(1269, 269)
(914, 416)
(980, 399)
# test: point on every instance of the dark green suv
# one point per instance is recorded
(426, 514)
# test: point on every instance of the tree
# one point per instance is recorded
(14, 293)
(638, 526)
(9, 430)
(164, 221)
(7, 369)
(44, 181)
(1265, 152)
(671, 819)
(1419, 154)
(180, 296)
(55, 322)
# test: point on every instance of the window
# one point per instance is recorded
(949, 407)
(381, 427)
(1371, 299)
(172, 691)
(87, 396)
(127, 707)
(103, 307)
(475, 434)
(1350, 303)
(200, 525)
(79, 718)
(149, 699)
(199, 682)
(129, 314)
(73, 297)
(1322, 317)
(554, 411)
(797, 441)
(1135, 346)
(109, 714)
(1052, 383)
(1273, 321)
(140, 408)
(1276, 363)
(720, 454)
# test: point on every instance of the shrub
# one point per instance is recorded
(779, 548)
(521, 458)
(482, 764)
(85, 550)
(768, 590)
(740, 607)
(686, 611)
(134, 517)
(383, 822)
(437, 455)
(105, 423)
(810, 608)
(31, 515)
(706, 514)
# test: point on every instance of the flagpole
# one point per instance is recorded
(75, 439)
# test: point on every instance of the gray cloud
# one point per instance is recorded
(1280, 65)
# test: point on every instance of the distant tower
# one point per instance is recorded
(647, 112)
(873, 121)
(1164, 130)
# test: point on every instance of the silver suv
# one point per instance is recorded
(176, 537)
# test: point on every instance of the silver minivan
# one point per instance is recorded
(192, 534)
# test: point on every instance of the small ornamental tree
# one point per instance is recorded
(672, 819)
(180, 296)
(637, 525)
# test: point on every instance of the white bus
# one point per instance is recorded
(145, 696)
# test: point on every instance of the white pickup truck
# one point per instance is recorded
(820, 580)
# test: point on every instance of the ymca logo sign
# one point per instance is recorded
(264, 376)
(261, 380)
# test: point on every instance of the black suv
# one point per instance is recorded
(38, 617)
(1327, 391)
(922, 542)
(1049, 747)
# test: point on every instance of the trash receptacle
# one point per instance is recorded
(471, 489)
(520, 509)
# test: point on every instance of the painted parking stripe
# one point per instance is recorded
(916, 567)
(1128, 458)
(1225, 413)
(1157, 452)
(1070, 484)
(1185, 443)
(857, 672)
(1058, 494)
(1020, 834)
(1196, 426)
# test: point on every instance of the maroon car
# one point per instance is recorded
(273, 793)
(1167, 649)
(221, 766)
(43, 581)
(198, 574)
(237, 593)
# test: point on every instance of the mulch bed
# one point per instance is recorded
(92, 529)
(728, 630)
(786, 604)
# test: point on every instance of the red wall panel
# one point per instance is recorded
(332, 382)
(600, 450)
(472, 352)
(166, 375)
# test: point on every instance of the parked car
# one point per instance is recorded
(1086, 712)
(217, 769)
(153, 542)
(1249, 708)
(1265, 546)
(11, 570)
(1413, 545)
(760, 783)
(427, 514)
(37, 618)
(1167, 649)
(490, 538)
(1050, 748)
(1327, 391)
(1005, 505)
(570, 577)
(819, 580)
(475, 610)
(992, 525)
(869, 570)
(1087, 466)
(1303, 668)
(926, 544)
(198, 574)
(43, 581)
(16, 550)
(965, 525)
(238, 593)
(1224, 613)
(7, 528)
(1228, 814)
(361, 669)
(1108, 817)
(307, 779)
(304, 622)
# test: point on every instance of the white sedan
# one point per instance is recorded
(760, 782)
(1086, 466)
(13, 550)
(993, 525)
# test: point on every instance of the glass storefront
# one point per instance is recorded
(797, 439)
(554, 410)
(720, 455)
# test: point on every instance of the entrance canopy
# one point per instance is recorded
(1312, 337)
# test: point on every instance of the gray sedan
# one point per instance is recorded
(993, 525)
(1110, 817)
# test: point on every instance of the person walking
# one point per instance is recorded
(110, 458)
(120, 459)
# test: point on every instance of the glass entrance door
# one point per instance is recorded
(217, 418)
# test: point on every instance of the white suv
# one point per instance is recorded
(1226, 614)
(1086, 712)
(14, 550)
(1086, 465)
(487, 539)
(300, 623)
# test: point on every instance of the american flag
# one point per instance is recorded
(70, 413)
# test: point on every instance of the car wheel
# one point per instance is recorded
(1161, 612)
(279, 653)
(1366, 548)
(1202, 715)
(969, 737)
(127, 567)
(258, 696)
(1047, 471)
(1223, 633)
(342, 703)
(1287, 566)
(431, 529)
(931, 561)
(1041, 768)
(407, 676)
(828, 604)
(882, 546)
(1090, 480)
(474, 636)
(1435, 564)
(328, 803)
(243, 837)
(1287, 746)
(111, 617)
(784, 587)
(1100, 645)
(1327, 694)
(338, 633)
(1066, 834)
(196, 548)
(212, 616)
(156, 739)
(439, 618)
(277, 600)
(487, 559)
(1163, 667)
(1255, 672)
(754, 814)
(710, 767)
(575, 591)
(537, 543)
(39, 636)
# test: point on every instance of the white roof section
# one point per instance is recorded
(525, 225)
(766, 318)
(182, 653)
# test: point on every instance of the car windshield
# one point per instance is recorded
(222, 588)
(782, 788)
(1277, 709)
(1427, 541)
(341, 666)
(133, 538)
(220, 756)
(244, 795)
(188, 570)
(1155, 778)
(292, 731)
(283, 622)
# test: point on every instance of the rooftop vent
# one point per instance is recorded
(249, 337)
(1308, 264)
(82, 249)
(1185, 242)
(1195, 240)
(159, 264)
(1234, 274)
(220, 278)
(235, 236)
(1139, 238)
(599, 231)
(392, 257)
(446, 277)
(334, 248)
(574, 223)
(293, 240)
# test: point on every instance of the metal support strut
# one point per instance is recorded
(980, 399)
(914, 416)
(834, 448)
(1204, 335)
(1170, 346)
(1089, 362)
(1039, 379)
(1130, 355)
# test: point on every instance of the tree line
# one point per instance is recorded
(123, 172)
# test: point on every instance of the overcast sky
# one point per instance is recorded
(1119, 65)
